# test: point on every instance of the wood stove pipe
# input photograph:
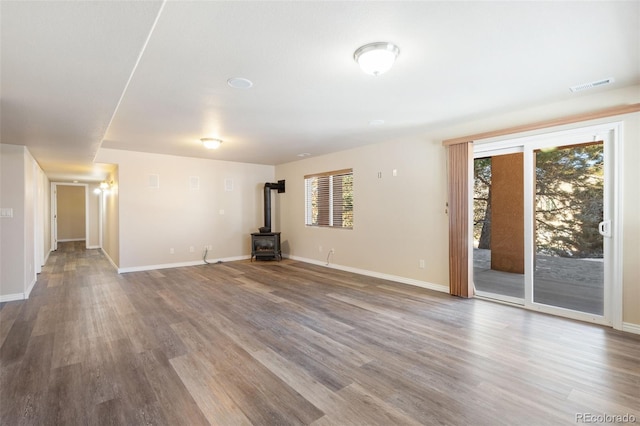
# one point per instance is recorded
(268, 186)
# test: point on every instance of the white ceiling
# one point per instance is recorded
(148, 76)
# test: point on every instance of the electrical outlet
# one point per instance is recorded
(422, 264)
(192, 249)
(171, 250)
(320, 249)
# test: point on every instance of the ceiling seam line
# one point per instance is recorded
(133, 71)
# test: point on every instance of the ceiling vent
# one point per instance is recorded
(597, 83)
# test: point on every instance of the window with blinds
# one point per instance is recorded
(329, 199)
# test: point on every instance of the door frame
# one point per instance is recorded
(54, 212)
(611, 133)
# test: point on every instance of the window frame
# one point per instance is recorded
(330, 208)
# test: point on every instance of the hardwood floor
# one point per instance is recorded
(278, 343)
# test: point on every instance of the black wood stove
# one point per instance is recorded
(265, 245)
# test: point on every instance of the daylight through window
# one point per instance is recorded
(329, 199)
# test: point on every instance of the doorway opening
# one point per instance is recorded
(69, 207)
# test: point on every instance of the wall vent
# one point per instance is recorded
(592, 84)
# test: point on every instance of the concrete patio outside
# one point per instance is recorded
(576, 284)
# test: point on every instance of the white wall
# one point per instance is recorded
(631, 219)
(152, 221)
(110, 220)
(93, 217)
(12, 244)
(397, 220)
(21, 186)
(43, 219)
(29, 232)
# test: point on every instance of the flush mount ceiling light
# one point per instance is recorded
(211, 143)
(239, 83)
(376, 58)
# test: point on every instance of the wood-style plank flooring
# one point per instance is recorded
(277, 343)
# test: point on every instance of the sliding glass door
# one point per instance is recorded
(498, 225)
(569, 208)
(543, 222)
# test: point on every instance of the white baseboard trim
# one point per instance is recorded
(631, 328)
(46, 258)
(93, 247)
(109, 258)
(403, 280)
(69, 240)
(12, 297)
(28, 292)
(179, 264)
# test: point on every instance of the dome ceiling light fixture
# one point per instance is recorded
(211, 143)
(376, 58)
(240, 83)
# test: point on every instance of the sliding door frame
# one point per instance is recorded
(611, 134)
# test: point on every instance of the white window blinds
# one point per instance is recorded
(329, 199)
